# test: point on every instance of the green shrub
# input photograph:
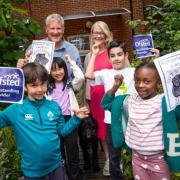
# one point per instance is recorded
(163, 24)
(16, 28)
(9, 156)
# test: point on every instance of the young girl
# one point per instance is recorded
(64, 95)
(150, 127)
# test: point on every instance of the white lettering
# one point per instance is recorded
(142, 43)
(9, 82)
(173, 144)
(4, 95)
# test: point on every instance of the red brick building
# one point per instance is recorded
(115, 13)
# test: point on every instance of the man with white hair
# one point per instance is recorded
(55, 32)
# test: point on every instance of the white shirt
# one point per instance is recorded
(106, 77)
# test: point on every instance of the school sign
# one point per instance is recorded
(11, 85)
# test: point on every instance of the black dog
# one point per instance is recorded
(89, 143)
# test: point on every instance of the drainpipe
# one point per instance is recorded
(131, 9)
(30, 12)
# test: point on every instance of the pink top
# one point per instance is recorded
(102, 62)
(144, 129)
(62, 98)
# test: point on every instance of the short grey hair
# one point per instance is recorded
(54, 17)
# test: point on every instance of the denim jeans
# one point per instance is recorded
(114, 156)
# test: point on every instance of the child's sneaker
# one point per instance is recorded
(121, 166)
(106, 169)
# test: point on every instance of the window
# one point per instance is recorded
(81, 41)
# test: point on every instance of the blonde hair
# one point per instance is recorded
(54, 17)
(105, 29)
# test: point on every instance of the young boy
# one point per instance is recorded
(37, 124)
(118, 56)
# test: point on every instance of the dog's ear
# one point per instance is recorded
(88, 129)
(85, 123)
(94, 124)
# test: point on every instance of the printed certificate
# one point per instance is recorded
(169, 70)
(43, 52)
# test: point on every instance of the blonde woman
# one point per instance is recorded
(100, 36)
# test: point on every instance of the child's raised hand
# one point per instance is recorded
(68, 58)
(156, 52)
(118, 79)
(81, 113)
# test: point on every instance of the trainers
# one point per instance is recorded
(106, 169)
(121, 166)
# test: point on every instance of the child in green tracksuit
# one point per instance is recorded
(152, 132)
(37, 124)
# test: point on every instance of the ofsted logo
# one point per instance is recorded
(143, 43)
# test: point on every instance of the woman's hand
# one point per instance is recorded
(95, 49)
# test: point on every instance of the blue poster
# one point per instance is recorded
(142, 45)
(11, 85)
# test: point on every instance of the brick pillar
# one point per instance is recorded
(137, 9)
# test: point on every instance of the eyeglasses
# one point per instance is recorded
(98, 33)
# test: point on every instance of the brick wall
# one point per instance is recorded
(39, 9)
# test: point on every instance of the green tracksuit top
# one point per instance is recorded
(170, 123)
(37, 126)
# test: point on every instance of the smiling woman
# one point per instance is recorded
(100, 37)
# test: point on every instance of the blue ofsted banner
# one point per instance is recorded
(11, 85)
(142, 45)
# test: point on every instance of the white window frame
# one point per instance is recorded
(81, 41)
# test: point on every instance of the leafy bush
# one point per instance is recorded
(126, 164)
(15, 30)
(9, 156)
(163, 24)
